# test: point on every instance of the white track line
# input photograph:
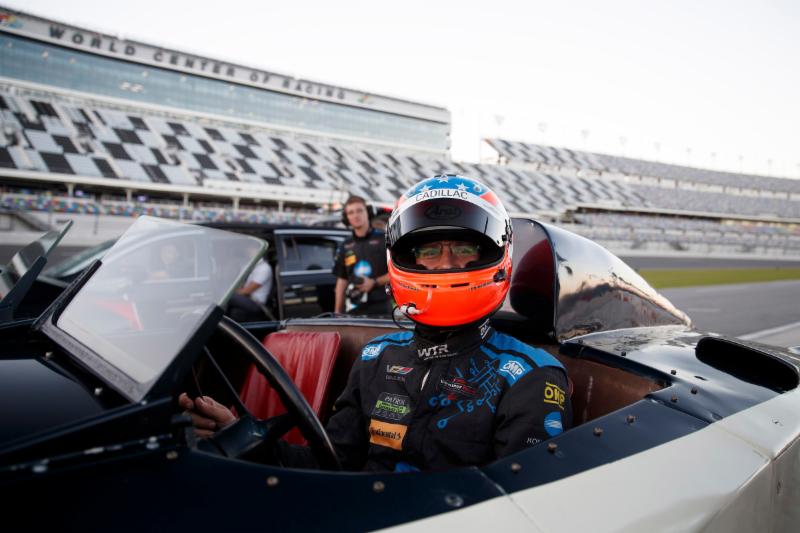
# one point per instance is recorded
(772, 331)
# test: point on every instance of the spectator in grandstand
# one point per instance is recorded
(360, 264)
(170, 263)
(249, 301)
(453, 392)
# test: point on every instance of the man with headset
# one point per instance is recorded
(360, 264)
(454, 391)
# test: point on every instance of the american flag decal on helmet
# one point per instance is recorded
(449, 185)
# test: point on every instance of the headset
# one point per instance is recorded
(354, 199)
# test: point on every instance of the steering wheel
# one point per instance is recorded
(248, 432)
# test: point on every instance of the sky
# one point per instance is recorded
(712, 84)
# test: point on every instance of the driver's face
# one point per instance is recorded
(443, 255)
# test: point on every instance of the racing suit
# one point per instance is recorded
(430, 400)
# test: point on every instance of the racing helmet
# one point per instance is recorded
(449, 208)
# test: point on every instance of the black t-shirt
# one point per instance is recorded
(363, 257)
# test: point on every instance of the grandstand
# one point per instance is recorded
(99, 130)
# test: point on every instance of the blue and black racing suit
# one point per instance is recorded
(431, 400)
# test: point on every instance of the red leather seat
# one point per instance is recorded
(308, 357)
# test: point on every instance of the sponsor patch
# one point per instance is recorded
(397, 373)
(512, 368)
(456, 386)
(385, 434)
(433, 352)
(362, 269)
(349, 259)
(371, 351)
(509, 367)
(552, 424)
(391, 406)
(553, 394)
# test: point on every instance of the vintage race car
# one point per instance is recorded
(674, 429)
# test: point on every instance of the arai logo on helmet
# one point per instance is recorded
(442, 212)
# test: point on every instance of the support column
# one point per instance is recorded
(184, 210)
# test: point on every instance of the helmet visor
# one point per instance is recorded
(445, 214)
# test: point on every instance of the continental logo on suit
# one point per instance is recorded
(385, 434)
(349, 259)
(553, 394)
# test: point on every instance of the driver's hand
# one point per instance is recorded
(207, 414)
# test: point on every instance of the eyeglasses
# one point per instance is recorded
(457, 249)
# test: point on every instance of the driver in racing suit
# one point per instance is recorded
(453, 391)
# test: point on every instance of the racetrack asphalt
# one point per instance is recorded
(673, 262)
(765, 312)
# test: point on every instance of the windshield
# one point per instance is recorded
(24, 259)
(154, 287)
(74, 264)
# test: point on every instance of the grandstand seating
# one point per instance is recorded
(703, 236)
(550, 156)
(52, 133)
(28, 202)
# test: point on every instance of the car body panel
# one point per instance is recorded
(168, 489)
(669, 487)
(786, 477)
(702, 389)
(685, 485)
(566, 285)
(730, 489)
(493, 515)
(34, 384)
